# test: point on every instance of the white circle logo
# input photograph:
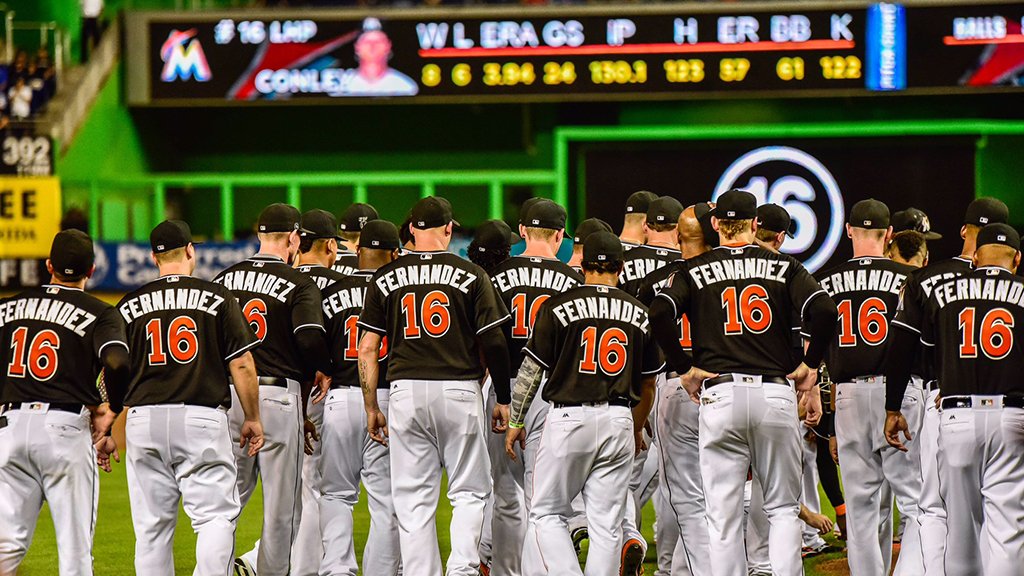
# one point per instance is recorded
(802, 185)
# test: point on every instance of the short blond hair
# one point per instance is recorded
(540, 234)
(733, 228)
(169, 257)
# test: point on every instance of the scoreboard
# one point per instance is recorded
(666, 51)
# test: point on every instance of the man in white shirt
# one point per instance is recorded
(90, 36)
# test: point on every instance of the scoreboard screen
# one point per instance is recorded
(581, 53)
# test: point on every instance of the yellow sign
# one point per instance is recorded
(29, 216)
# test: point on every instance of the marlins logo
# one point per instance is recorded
(184, 58)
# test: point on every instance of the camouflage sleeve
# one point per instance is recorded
(527, 383)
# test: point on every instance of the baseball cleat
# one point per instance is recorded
(632, 558)
(578, 536)
(485, 570)
(243, 568)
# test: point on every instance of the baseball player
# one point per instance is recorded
(740, 300)
(188, 338)
(633, 233)
(908, 247)
(352, 221)
(866, 290)
(584, 229)
(676, 420)
(594, 342)
(524, 283)
(916, 291)
(282, 306)
(349, 456)
(440, 313)
(55, 340)
(969, 323)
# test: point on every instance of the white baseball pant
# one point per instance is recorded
(350, 456)
(307, 550)
(585, 450)
(47, 454)
(279, 466)
(501, 542)
(866, 461)
(181, 452)
(933, 510)
(533, 424)
(809, 487)
(746, 424)
(676, 427)
(435, 424)
(981, 467)
(757, 528)
(666, 537)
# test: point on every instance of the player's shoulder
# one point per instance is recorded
(77, 297)
(592, 291)
(360, 279)
(957, 265)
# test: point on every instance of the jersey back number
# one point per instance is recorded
(352, 340)
(255, 312)
(869, 323)
(430, 316)
(746, 310)
(181, 341)
(994, 334)
(606, 351)
(523, 319)
(38, 357)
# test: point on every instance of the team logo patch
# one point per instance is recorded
(183, 58)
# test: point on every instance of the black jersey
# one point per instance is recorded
(971, 322)
(524, 283)
(915, 293)
(346, 263)
(653, 284)
(431, 306)
(278, 301)
(640, 262)
(183, 333)
(322, 276)
(596, 345)
(741, 301)
(343, 302)
(866, 291)
(51, 339)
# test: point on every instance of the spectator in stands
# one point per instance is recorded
(47, 72)
(20, 99)
(91, 11)
(19, 69)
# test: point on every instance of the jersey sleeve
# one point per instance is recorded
(489, 309)
(541, 346)
(910, 310)
(236, 335)
(110, 331)
(802, 289)
(306, 311)
(677, 292)
(928, 321)
(373, 316)
(652, 359)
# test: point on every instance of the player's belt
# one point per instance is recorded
(273, 381)
(612, 402)
(730, 378)
(982, 402)
(27, 406)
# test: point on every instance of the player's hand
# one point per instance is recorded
(811, 402)
(105, 449)
(310, 436)
(102, 421)
(820, 522)
(693, 380)
(377, 425)
(804, 378)
(894, 424)
(833, 449)
(512, 436)
(252, 434)
(639, 444)
(321, 386)
(499, 419)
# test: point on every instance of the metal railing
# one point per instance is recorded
(77, 103)
(293, 184)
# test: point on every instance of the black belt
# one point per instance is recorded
(273, 381)
(613, 402)
(61, 406)
(730, 378)
(968, 402)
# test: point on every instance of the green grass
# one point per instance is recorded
(115, 541)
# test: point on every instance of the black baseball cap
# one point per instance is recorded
(588, 227)
(379, 235)
(870, 214)
(71, 253)
(431, 212)
(638, 202)
(999, 233)
(986, 211)
(319, 224)
(524, 208)
(664, 210)
(774, 218)
(356, 216)
(602, 246)
(278, 218)
(545, 214)
(913, 219)
(170, 235)
(494, 235)
(735, 205)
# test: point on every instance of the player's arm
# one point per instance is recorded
(243, 375)
(490, 314)
(642, 411)
(902, 346)
(820, 318)
(369, 375)
(665, 327)
(112, 350)
(310, 335)
(494, 349)
(527, 383)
